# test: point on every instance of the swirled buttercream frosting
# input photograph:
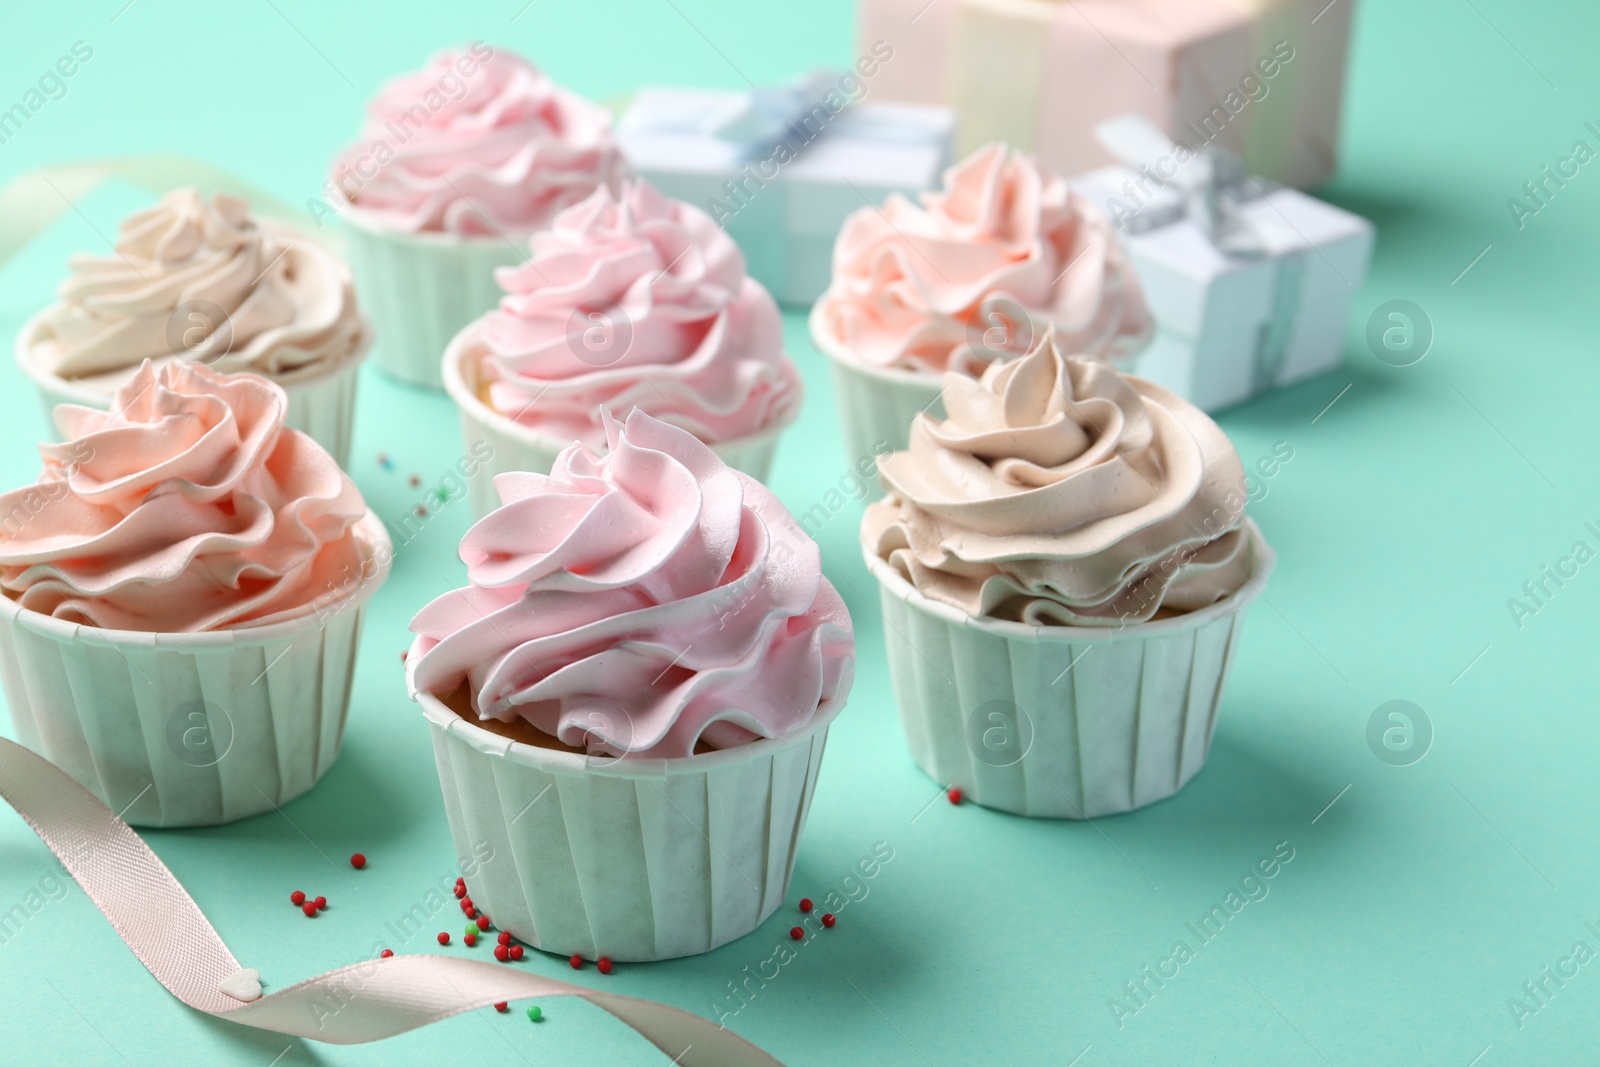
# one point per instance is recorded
(645, 602)
(1059, 491)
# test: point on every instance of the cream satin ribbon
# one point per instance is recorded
(365, 1001)
(32, 202)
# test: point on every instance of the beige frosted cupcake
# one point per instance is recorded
(184, 589)
(968, 277)
(1064, 562)
(630, 700)
(458, 164)
(629, 301)
(204, 281)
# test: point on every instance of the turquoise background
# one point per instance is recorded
(1412, 510)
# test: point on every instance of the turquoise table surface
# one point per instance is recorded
(1419, 899)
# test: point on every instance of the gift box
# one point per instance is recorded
(780, 170)
(1249, 282)
(1263, 79)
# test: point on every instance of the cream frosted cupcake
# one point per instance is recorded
(630, 301)
(969, 277)
(630, 700)
(1064, 562)
(459, 163)
(184, 590)
(205, 281)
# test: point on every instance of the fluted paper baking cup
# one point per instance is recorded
(190, 729)
(322, 399)
(421, 288)
(635, 859)
(876, 404)
(1060, 721)
(518, 448)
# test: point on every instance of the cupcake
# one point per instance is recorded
(459, 163)
(203, 280)
(630, 301)
(1067, 549)
(184, 590)
(966, 279)
(631, 697)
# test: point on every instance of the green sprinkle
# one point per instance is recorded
(472, 928)
(534, 1014)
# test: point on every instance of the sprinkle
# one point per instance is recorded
(472, 931)
(404, 653)
(461, 890)
(483, 922)
(805, 903)
(504, 938)
(954, 794)
(386, 953)
(359, 861)
(421, 511)
(310, 909)
(828, 919)
(515, 951)
(501, 1005)
(796, 932)
(576, 961)
(444, 938)
(415, 480)
(466, 901)
(322, 903)
(297, 898)
(502, 953)
(470, 939)
(469, 911)
(604, 963)
(534, 1013)
(385, 462)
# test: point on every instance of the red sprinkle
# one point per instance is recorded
(504, 938)
(358, 861)
(297, 898)
(386, 953)
(444, 938)
(403, 654)
(415, 480)
(469, 912)
(461, 892)
(471, 940)
(796, 932)
(502, 953)
(421, 511)
(502, 1006)
(604, 963)
(828, 919)
(515, 951)
(805, 903)
(322, 903)
(576, 961)
(466, 901)
(483, 922)
(310, 909)
(954, 794)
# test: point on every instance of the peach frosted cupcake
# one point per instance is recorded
(630, 699)
(459, 163)
(629, 301)
(203, 280)
(184, 589)
(1068, 548)
(966, 278)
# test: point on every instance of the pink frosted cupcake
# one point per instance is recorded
(459, 163)
(630, 301)
(183, 590)
(968, 278)
(630, 700)
(203, 280)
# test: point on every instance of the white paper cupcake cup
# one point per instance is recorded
(635, 859)
(518, 448)
(876, 404)
(190, 729)
(1060, 721)
(422, 288)
(322, 399)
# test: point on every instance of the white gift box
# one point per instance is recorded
(784, 215)
(1250, 302)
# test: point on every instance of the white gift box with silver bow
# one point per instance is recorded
(718, 150)
(1249, 283)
